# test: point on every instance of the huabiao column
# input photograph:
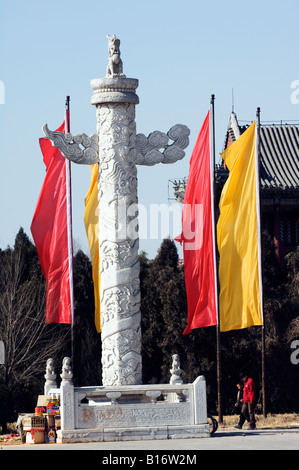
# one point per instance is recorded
(118, 150)
(115, 99)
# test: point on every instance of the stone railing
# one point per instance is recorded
(160, 411)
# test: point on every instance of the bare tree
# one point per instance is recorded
(28, 340)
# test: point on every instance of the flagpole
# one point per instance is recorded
(220, 415)
(70, 227)
(259, 212)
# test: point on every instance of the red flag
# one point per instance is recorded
(198, 236)
(49, 229)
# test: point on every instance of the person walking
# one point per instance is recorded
(249, 399)
(239, 401)
(239, 404)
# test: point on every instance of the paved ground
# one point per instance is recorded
(144, 451)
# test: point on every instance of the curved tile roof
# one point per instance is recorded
(279, 147)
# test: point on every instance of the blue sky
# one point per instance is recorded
(181, 52)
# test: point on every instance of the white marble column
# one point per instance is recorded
(118, 150)
(115, 100)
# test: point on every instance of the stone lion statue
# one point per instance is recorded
(66, 369)
(115, 65)
(176, 370)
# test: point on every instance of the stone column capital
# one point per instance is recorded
(114, 90)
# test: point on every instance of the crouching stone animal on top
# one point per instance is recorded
(115, 65)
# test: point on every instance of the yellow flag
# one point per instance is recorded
(91, 220)
(240, 304)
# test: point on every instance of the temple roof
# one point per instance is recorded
(280, 157)
(279, 148)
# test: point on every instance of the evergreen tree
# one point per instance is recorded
(87, 342)
(164, 319)
(29, 342)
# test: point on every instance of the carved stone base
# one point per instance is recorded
(118, 413)
(134, 433)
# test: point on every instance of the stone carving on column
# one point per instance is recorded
(67, 398)
(119, 264)
(115, 65)
(66, 373)
(147, 148)
(71, 146)
(50, 376)
(176, 370)
(118, 150)
(176, 379)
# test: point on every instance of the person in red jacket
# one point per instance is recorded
(249, 399)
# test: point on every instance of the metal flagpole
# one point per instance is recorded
(259, 217)
(70, 227)
(220, 415)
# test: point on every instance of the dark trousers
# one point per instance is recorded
(247, 414)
